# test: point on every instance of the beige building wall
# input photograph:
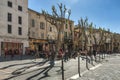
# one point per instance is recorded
(69, 24)
(14, 36)
(35, 32)
(51, 32)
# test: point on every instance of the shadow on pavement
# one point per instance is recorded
(21, 71)
(36, 63)
(44, 71)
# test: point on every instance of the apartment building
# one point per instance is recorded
(41, 32)
(13, 25)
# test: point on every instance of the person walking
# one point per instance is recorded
(20, 53)
(60, 53)
(94, 53)
(66, 55)
(5, 52)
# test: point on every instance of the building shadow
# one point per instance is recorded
(22, 71)
(35, 63)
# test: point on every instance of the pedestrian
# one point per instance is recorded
(79, 51)
(60, 54)
(5, 52)
(36, 53)
(52, 58)
(66, 55)
(94, 53)
(74, 55)
(20, 52)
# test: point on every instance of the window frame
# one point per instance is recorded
(19, 30)
(9, 29)
(9, 17)
(20, 20)
(50, 29)
(65, 34)
(20, 8)
(33, 22)
(9, 3)
(42, 25)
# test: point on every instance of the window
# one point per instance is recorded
(19, 30)
(20, 20)
(66, 26)
(9, 29)
(42, 25)
(65, 34)
(9, 4)
(9, 17)
(20, 8)
(50, 29)
(42, 35)
(33, 23)
(33, 34)
(70, 26)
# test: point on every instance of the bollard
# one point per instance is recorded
(87, 62)
(79, 65)
(62, 67)
(99, 57)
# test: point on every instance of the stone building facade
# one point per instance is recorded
(13, 25)
(41, 32)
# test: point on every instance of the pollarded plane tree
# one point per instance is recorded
(58, 19)
(90, 29)
(98, 36)
(83, 37)
(83, 24)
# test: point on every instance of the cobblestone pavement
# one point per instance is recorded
(110, 70)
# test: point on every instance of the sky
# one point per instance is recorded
(103, 13)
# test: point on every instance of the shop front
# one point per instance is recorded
(38, 44)
(10, 46)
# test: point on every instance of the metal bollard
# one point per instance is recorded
(62, 67)
(79, 65)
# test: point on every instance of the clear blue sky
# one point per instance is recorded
(103, 13)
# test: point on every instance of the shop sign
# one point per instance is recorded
(38, 41)
(12, 40)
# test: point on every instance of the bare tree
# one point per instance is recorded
(58, 18)
(83, 24)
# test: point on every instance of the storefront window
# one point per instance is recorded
(12, 46)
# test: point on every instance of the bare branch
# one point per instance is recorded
(60, 7)
(54, 11)
(69, 13)
(65, 9)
